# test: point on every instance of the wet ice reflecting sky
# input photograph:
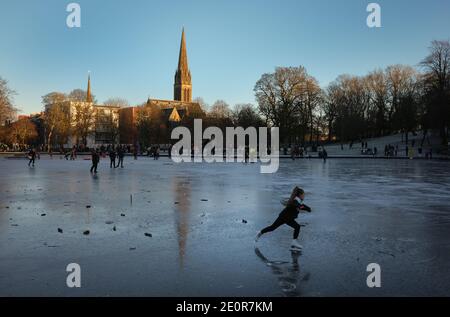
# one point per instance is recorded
(395, 213)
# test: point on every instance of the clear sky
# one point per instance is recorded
(131, 47)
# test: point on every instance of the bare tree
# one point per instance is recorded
(117, 102)
(347, 107)
(437, 63)
(56, 118)
(220, 115)
(378, 91)
(402, 87)
(84, 121)
(400, 80)
(23, 132)
(437, 87)
(7, 109)
(246, 115)
(280, 97)
(312, 99)
(80, 95)
(151, 125)
(330, 107)
(203, 105)
(220, 109)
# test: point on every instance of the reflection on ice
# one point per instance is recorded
(394, 213)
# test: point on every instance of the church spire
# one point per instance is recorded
(182, 59)
(183, 85)
(89, 94)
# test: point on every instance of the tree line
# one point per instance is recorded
(397, 99)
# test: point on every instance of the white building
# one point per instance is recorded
(100, 121)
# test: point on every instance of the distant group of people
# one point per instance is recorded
(154, 151)
(72, 153)
(366, 150)
(118, 152)
(391, 151)
(113, 153)
(298, 151)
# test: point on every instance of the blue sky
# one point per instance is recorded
(131, 47)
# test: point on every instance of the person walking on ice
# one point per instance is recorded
(112, 157)
(95, 156)
(294, 206)
(120, 155)
(31, 157)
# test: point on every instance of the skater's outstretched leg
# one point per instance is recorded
(278, 222)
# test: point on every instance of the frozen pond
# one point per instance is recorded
(394, 213)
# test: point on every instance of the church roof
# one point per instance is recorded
(174, 116)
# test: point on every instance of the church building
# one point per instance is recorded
(173, 110)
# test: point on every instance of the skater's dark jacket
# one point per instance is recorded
(95, 157)
(292, 210)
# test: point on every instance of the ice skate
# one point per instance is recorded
(295, 246)
(258, 236)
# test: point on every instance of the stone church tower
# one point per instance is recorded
(183, 85)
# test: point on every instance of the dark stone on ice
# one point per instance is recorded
(60, 230)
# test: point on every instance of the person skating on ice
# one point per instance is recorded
(294, 206)
(31, 157)
(112, 158)
(120, 155)
(95, 159)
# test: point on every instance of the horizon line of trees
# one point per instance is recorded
(397, 99)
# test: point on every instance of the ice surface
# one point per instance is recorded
(157, 228)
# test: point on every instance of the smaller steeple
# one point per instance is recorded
(89, 94)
